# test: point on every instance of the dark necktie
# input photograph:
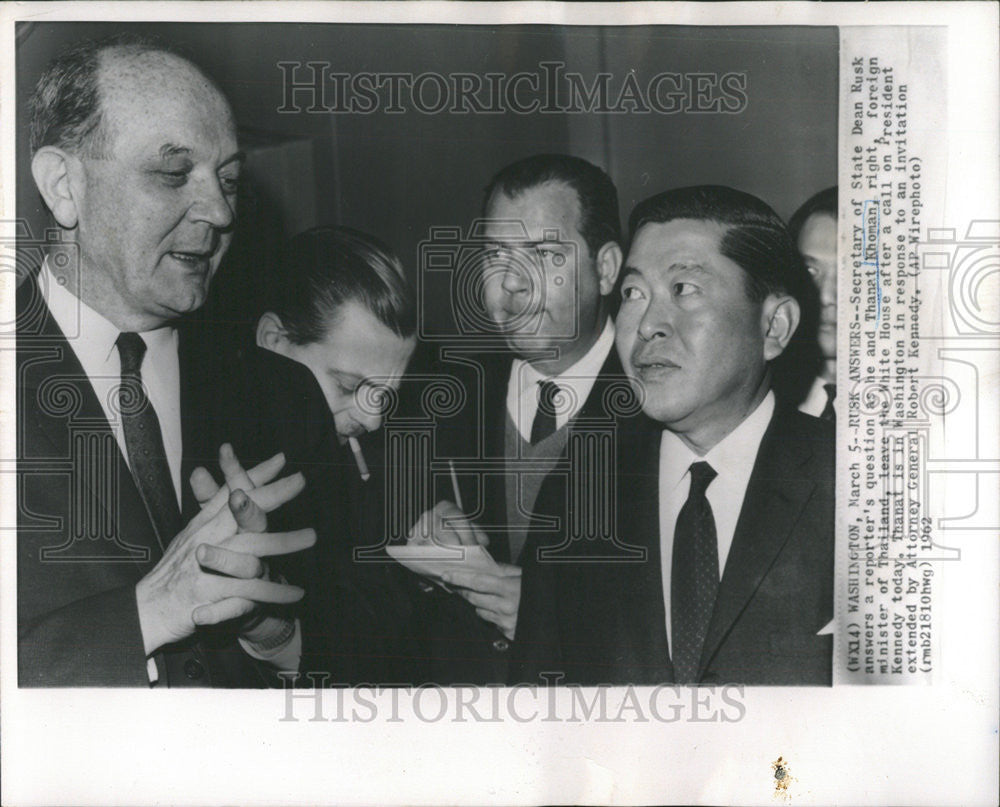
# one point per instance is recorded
(144, 442)
(694, 576)
(828, 412)
(544, 423)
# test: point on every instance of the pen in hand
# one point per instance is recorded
(454, 486)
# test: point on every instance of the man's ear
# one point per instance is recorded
(779, 318)
(271, 334)
(57, 174)
(609, 264)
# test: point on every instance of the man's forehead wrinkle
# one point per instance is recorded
(683, 265)
(552, 205)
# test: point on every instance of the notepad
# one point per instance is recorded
(433, 560)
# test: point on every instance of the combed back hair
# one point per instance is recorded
(756, 239)
(326, 267)
(65, 108)
(823, 202)
(599, 219)
(754, 236)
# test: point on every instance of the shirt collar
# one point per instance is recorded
(736, 450)
(92, 336)
(90, 333)
(584, 370)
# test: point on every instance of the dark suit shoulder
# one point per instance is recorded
(274, 402)
(795, 432)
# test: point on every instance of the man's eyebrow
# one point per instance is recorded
(688, 266)
(336, 371)
(519, 243)
(239, 157)
(168, 150)
(677, 266)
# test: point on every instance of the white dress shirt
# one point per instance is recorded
(93, 338)
(732, 459)
(576, 381)
(815, 401)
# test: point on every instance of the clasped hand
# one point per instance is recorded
(213, 570)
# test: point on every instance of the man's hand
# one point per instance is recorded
(211, 573)
(260, 629)
(446, 525)
(496, 597)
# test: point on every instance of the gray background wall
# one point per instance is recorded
(397, 175)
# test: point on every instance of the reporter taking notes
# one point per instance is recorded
(334, 334)
(550, 259)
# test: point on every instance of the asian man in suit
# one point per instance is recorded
(134, 153)
(728, 495)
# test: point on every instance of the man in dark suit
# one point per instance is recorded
(550, 264)
(727, 498)
(135, 155)
(813, 229)
(335, 331)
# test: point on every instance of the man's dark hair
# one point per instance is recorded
(65, 107)
(823, 202)
(754, 235)
(599, 219)
(326, 267)
(755, 238)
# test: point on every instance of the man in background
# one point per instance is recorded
(813, 229)
(552, 256)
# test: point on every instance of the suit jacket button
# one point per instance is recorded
(193, 669)
(501, 645)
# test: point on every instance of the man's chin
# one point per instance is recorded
(185, 304)
(660, 405)
(527, 346)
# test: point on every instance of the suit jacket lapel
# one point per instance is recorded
(196, 412)
(775, 496)
(640, 595)
(57, 360)
(496, 372)
(604, 401)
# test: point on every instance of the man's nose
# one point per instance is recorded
(515, 280)
(369, 421)
(211, 205)
(657, 320)
(828, 287)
